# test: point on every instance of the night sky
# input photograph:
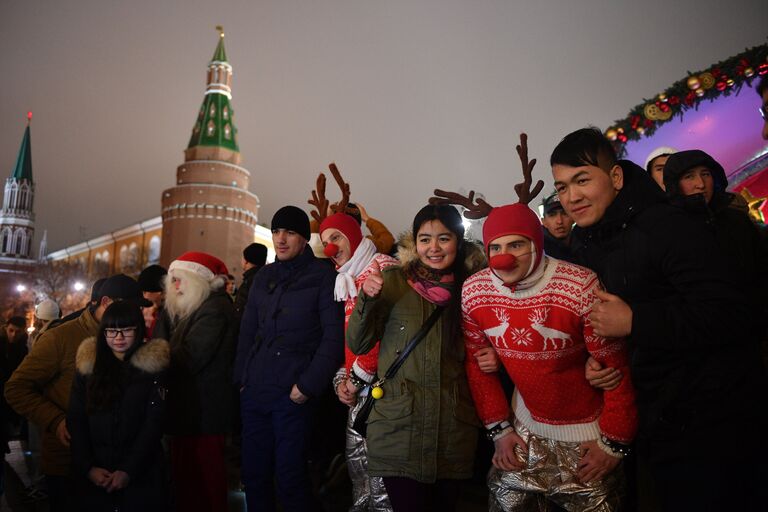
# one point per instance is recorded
(405, 95)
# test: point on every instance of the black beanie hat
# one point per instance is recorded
(292, 219)
(255, 254)
(151, 278)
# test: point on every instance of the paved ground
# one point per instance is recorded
(333, 488)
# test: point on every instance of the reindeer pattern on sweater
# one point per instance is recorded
(543, 337)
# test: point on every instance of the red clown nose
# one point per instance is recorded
(331, 250)
(503, 262)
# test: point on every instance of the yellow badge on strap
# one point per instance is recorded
(377, 392)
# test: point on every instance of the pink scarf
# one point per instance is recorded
(435, 292)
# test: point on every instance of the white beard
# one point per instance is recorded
(191, 294)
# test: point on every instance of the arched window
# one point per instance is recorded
(18, 241)
(133, 255)
(154, 250)
(6, 240)
(14, 192)
(123, 259)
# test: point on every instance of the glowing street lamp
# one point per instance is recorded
(79, 286)
(21, 288)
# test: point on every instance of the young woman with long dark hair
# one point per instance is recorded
(116, 415)
(422, 432)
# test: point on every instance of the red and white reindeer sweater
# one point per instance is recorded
(543, 337)
(365, 365)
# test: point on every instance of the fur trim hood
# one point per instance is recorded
(474, 260)
(153, 356)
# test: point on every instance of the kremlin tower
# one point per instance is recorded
(210, 209)
(17, 219)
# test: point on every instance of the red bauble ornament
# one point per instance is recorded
(690, 98)
(648, 123)
(622, 137)
(715, 72)
(634, 121)
(720, 86)
(762, 68)
(674, 100)
(664, 107)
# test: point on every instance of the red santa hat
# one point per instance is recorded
(514, 219)
(348, 227)
(200, 263)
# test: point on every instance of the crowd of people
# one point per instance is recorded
(612, 352)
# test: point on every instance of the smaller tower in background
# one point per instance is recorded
(17, 218)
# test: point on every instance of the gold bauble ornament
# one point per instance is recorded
(693, 83)
(620, 130)
(651, 111)
(729, 82)
(663, 97)
(700, 92)
(749, 72)
(377, 393)
(611, 134)
(640, 130)
(707, 80)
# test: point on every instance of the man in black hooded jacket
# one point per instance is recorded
(697, 183)
(687, 324)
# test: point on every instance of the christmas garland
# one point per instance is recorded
(722, 79)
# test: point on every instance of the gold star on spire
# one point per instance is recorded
(221, 30)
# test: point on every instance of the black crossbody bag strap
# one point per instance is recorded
(360, 424)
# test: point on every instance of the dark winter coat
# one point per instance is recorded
(127, 437)
(558, 249)
(691, 353)
(292, 331)
(738, 240)
(425, 426)
(200, 377)
(241, 298)
(11, 356)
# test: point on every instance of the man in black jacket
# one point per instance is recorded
(291, 344)
(687, 324)
(557, 229)
(254, 257)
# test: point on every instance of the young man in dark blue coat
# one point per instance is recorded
(291, 344)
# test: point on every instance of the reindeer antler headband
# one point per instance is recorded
(479, 208)
(321, 203)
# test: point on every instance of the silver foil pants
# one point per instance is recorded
(550, 476)
(368, 492)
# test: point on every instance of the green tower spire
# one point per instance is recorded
(215, 125)
(23, 169)
(220, 55)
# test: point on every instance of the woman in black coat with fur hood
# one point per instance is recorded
(116, 415)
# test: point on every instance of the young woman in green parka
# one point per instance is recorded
(422, 433)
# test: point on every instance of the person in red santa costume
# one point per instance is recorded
(199, 379)
(355, 258)
(563, 440)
